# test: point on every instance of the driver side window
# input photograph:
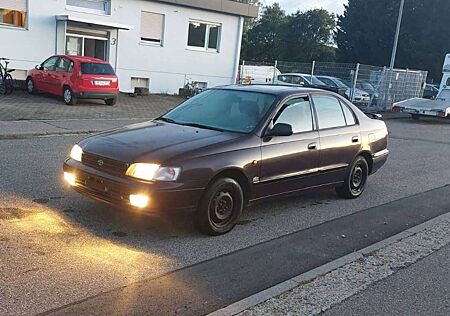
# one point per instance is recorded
(297, 113)
(50, 64)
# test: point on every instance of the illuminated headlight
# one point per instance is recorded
(76, 153)
(153, 172)
(70, 178)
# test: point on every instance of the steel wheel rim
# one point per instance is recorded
(222, 208)
(358, 179)
(67, 96)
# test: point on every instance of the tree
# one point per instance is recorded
(366, 33)
(309, 36)
(263, 41)
(301, 37)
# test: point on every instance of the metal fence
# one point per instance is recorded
(370, 87)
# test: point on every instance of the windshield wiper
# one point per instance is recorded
(168, 120)
(203, 126)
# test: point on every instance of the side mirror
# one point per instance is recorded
(38, 67)
(280, 129)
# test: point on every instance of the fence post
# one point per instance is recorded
(274, 71)
(241, 76)
(312, 70)
(355, 79)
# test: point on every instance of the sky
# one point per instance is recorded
(290, 6)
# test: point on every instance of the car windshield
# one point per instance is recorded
(317, 81)
(367, 86)
(96, 69)
(343, 84)
(225, 110)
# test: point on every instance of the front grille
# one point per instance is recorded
(101, 188)
(104, 164)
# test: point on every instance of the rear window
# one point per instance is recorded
(96, 69)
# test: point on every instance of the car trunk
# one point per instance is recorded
(98, 77)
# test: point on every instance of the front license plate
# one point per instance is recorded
(96, 184)
(101, 83)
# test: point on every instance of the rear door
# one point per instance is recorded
(289, 162)
(340, 137)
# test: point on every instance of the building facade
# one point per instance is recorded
(158, 45)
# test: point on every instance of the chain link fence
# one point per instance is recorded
(370, 87)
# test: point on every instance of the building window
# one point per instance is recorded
(90, 6)
(13, 13)
(204, 36)
(152, 27)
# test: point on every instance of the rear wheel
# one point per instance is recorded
(69, 97)
(9, 84)
(111, 101)
(220, 207)
(355, 180)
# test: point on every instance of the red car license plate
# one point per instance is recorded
(101, 83)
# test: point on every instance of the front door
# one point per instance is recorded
(42, 80)
(290, 163)
(340, 137)
(86, 46)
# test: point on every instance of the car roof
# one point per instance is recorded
(84, 59)
(274, 89)
(296, 74)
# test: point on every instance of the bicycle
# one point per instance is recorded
(6, 79)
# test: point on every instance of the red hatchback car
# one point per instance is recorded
(73, 78)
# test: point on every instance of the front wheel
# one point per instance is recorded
(69, 97)
(355, 179)
(220, 207)
(9, 84)
(31, 89)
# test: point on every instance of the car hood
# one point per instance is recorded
(153, 142)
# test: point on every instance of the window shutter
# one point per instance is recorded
(17, 5)
(152, 26)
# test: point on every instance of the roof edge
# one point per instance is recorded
(221, 6)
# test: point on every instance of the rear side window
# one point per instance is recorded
(329, 112)
(349, 116)
(96, 69)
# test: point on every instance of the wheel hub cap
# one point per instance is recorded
(67, 96)
(223, 206)
(357, 178)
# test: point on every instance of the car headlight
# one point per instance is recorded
(153, 172)
(76, 153)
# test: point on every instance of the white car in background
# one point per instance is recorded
(360, 97)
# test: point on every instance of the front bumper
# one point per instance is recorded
(114, 190)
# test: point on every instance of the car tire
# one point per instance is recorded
(69, 97)
(355, 179)
(111, 101)
(31, 88)
(415, 117)
(220, 207)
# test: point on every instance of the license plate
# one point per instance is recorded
(101, 83)
(96, 184)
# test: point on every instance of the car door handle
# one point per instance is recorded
(312, 146)
(355, 139)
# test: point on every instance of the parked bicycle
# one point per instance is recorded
(6, 79)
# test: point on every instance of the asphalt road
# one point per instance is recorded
(420, 289)
(57, 247)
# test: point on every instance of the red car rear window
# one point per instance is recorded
(96, 69)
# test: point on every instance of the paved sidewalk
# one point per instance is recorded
(24, 129)
(421, 289)
(21, 106)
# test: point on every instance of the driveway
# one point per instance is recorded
(21, 106)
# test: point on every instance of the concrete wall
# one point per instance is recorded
(167, 67)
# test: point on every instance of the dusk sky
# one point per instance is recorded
(335, 6)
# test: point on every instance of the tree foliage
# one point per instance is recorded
(302, 37)
(366, 33)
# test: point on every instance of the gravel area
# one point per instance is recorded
(333, 288)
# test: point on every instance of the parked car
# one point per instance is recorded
(73, 78)
(430, 92)
(228, 147)
(369, 88)
(360, 97)
(298, 79)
